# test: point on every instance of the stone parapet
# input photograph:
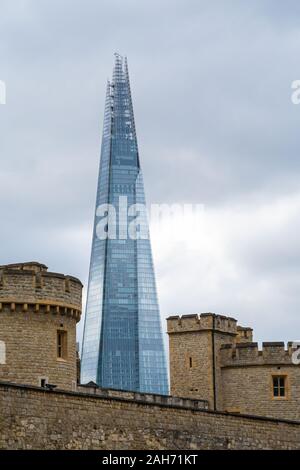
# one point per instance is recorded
(246, 354)
(29, 286)
(202, 322)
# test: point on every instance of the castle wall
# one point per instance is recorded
(192, 381)
(198, 339)
(31, 348)
(219, 339)
(249, 390)
(247, 380)
(34, 306)
(34, 418)
(237, 376)
(244, 334)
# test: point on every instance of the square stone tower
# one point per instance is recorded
(214, 359)
(195, 342)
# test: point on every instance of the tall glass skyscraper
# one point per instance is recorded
(122, 343)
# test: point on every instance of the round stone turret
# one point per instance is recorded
(38, 315)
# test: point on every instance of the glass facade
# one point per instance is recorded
(122, 344)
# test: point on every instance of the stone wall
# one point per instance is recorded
(184, 379)
(34, 306)
(247, 375)
(213, 358)
(31, 283)
(249, 390)
(193, 343)
(32, 418)
(93, 389)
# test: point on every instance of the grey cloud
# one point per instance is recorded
(211, 89)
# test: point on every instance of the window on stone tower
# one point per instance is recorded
(61, 344)
(279, 386)
(191, 362)
(43, 381)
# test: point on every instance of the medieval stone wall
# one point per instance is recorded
(214, 359)
(32, 418)
(193, 343)
(247, 379)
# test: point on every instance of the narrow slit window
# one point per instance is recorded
(61, 344)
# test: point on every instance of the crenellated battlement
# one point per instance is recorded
(29, 286)
(204, 322)
(245, 354)
(244, 334)
(149, 398)
(214, 358)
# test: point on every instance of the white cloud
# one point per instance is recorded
(233, 261)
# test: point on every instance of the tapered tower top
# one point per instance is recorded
(122, 343)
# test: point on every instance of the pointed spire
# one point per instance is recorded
(118, 71)
(119, 357)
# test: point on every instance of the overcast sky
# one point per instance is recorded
(211, 84)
